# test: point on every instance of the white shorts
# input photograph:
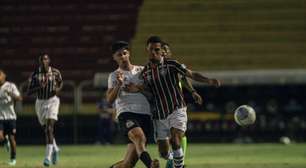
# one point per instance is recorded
(47, 109)
(177, 119)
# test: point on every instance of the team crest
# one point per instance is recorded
(163, 72)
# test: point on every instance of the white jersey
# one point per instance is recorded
(7, 111)
(126, 101)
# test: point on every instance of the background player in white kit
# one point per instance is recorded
(133, 109)
(8, 94)
(47, 82)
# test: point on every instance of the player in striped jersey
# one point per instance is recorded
(8, 94)
(184, 82)
(132, 108)
(161, 75)
(46, 82)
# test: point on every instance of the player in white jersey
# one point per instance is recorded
(8, 94)
(132, 107)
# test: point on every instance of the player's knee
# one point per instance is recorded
(138, 136)
(1, 138)
(164, 154)
(175, 142)
(49, 129)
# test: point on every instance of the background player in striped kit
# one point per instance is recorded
(8, 94)
(164, 145)
(161, 75)
(47, 82)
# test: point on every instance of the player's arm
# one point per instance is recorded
(60, 82)
(14, 93)
(114, 87)
(203, 79)
(33, 85)
(181, 69)
(187, 84)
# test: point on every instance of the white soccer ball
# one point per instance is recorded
(245, 115)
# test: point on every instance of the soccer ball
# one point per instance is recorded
(245, 115)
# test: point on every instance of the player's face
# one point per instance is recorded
(155, 51)
(122, 56)
(166, 52)
(2, 77)
(45, 61)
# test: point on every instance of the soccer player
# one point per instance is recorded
(8, 94)
(184, 82)
(132, 107)
(46, 81)
(161, 75)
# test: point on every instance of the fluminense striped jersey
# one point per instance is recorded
(47, 81)
(163, 80)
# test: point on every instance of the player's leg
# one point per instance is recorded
(178, 124)
(137, 136)
(3, 139)
(12, 139)
(130, 158)
(49, 135)
(178, 154)
(184, 145)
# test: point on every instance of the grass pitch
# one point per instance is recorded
(198, 156)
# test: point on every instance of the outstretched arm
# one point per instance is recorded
(200, 78)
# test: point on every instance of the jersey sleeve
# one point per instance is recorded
(33, 81)
(14, 90)
(178, 67)
(58, 77)
(111, 81)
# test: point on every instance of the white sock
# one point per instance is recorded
(170, 155)
(56, 148)
(49, 149)
(178, 158)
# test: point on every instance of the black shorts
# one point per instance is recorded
(8, 126)
(129, 120)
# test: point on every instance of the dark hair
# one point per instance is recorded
(154, 39)
(118, 45)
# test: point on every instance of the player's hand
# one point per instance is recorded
(57, 91)
(197, 98)
(214, 82)
(120, 78)
(131, 87)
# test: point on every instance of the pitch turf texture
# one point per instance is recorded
(198, 156)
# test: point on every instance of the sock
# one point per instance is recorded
(170, 155)
(146, 159)
(56, 148)
(184, 145)
(49, 151)
(178, 158)
(13, 155)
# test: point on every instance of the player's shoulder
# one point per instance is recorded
(55, 70)
(171, 61)
(9, 84)
(112, 74)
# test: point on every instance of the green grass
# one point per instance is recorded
(198, 156)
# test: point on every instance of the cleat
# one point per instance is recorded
(12, 162)
(46, 163)
(169, 163)
(155, 164)
(55, 157)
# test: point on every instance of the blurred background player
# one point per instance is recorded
(8, 94)
(184, 82)
(132, 108)
(161, 75)
(47, 82)
(105, 122)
